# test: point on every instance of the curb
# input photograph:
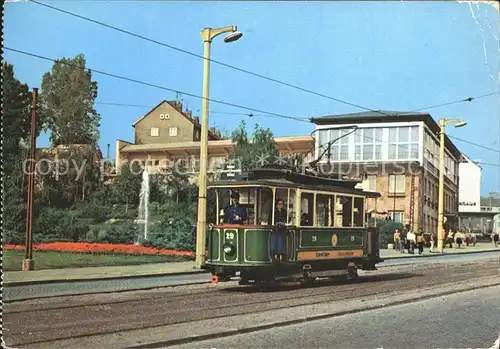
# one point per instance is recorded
(437, 254)
(102, 278)
(268, 326)
(102, 292)
(198, 272)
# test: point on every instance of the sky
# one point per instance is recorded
(379, 55)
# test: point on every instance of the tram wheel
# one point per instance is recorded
(352, 274)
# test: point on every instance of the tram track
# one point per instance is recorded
(81, 300)
(29, 325)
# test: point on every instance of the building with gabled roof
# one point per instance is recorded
(169, 123)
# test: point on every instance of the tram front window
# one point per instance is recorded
(244, 205)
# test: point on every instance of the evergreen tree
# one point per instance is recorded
(16, 135)
(68, 95)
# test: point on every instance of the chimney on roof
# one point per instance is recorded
(188, 113)
(196, 119)
(176, 105)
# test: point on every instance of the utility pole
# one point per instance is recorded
(28, 262)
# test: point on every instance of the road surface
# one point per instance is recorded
(464, 320)
(12, 293)
(90, 320)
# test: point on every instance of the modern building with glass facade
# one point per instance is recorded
(397, 154)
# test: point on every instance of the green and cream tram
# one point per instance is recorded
(322, 226)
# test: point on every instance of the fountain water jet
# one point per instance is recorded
(144, 202)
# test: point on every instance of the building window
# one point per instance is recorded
(340, 148)
(403, 143)
(372, 182)
(368, 144)
(397, 184)
(397, 216)
(155, 131)
(172, 131)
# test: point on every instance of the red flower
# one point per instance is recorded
(84, 247)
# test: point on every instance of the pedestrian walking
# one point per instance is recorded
(495, 239)
(433, 242)
(411, 240)
(396, 238)
(420, 243)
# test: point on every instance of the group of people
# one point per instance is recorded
(408, 240)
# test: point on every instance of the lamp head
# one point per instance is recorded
(461, 124)
(234, 36)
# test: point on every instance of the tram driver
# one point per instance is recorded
(235, 213)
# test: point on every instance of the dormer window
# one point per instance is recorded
(155, 131)
(172, 131)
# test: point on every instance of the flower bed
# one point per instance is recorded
(86, 247)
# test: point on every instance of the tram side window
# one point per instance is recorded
(322, 210)
(284, 211)
(359, 211)
(265, 205)
(343, 211)
(306, 209)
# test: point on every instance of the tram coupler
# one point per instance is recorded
(215, 280)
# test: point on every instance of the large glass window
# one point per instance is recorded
(404, 143)
(368, 144)
(340, 148)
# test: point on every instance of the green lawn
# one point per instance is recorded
(13, 259)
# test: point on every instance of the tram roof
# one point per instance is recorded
(291, 179)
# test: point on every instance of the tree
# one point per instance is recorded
(127, 186)
(16, 129)
(68, 95)
(260, 151)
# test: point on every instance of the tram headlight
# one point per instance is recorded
(229, 249)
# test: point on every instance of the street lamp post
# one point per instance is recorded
(440, 228)
(207, 34)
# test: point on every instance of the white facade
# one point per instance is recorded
(469, 189)
(385, 142)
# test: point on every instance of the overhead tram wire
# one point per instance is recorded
(237, 68)
(211, 111)
(469, 99)
(155, 86)
(209, 59)
(304, 119)
(309, 120)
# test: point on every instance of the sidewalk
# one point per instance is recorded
(18, 278)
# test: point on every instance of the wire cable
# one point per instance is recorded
(472, 143)
(155, 86)
(193, 95)
(209, 59)
(469, 99)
